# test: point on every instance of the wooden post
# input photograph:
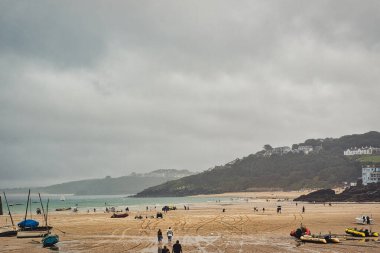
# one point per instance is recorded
(1, 207)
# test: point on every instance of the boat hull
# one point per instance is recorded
(7, 232)
(313, 240)
(32, 233)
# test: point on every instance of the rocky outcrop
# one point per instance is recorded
(369, 193)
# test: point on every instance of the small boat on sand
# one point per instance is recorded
(50, 240)
(309, 238)
(33, 233)
(119, 215)
(7, 231)
(361, 232)
(302, 230)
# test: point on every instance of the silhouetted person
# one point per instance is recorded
(159, 235)
(165, 250)
(368, 220)
(177, 248)
(303, 209)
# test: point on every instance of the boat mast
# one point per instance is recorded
(43, 210)
(46, 217)
(27, 205)
(30, 207)
(9, 211)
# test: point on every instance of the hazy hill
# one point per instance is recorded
(292, 171)
(106, 186)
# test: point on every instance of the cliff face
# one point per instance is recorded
(369, 193)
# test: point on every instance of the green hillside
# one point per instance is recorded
(107, 186)
(292, 171)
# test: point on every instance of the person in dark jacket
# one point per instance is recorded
(159, 235)
(177, 248)
(165, 250)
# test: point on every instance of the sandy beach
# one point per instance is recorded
(205, 228)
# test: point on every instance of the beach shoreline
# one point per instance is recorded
(206, 228)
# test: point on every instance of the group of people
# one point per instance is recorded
(366, 220)
(177, 247)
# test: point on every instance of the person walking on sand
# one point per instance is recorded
(159, 236)
(303, 209)
(170, 233)
(165, 250)
(177, 248)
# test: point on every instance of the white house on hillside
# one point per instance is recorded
(370, 175)
(362, 151)
(305, 149)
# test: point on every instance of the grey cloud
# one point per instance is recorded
(95, 88)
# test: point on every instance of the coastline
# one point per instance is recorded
(206, 228)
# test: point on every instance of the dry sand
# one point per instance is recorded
(205, 228)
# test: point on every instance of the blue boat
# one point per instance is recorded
(50, 240)
(28, 224)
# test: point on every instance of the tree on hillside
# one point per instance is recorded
(267, 147)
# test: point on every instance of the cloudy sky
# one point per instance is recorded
(96, 88)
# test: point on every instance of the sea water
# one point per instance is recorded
(86, 203)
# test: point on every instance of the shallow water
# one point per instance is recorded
(17, 202)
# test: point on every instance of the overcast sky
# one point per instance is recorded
(96, 88)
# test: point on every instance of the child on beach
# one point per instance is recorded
(169, 233)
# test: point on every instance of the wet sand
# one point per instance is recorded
(205, 228)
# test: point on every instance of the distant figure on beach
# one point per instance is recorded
(303, 209)
(329, 203)
(38, 211)
(170, 233)
(177, 248)
(223, 210)
(107, 210)
(278, 209)
(368, 220)
(184, 207)
(263, 209)
(159, 235)
(296, 204)
(147, 208)
(94, 210)
(127, 209)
